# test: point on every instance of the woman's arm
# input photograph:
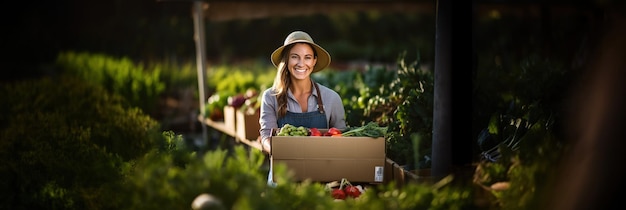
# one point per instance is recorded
(336, 110)
(267, 119)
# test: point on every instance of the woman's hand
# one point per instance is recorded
(266, 146)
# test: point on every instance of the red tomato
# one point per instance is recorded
(353, 191)
(339, 194)
(315, 132)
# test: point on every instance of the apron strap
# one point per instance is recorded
(320, 104)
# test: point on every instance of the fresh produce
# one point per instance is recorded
(344, 190)
(214, 108)
(371, 129)
(338, 194)
(352, 191)
(333, 132)
(315, 132)
(236, 100)
(291, 130)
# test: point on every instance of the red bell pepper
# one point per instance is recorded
(315, 132)
(333, 131)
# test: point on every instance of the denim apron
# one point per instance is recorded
(314, 119)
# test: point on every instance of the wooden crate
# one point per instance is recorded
(247, 125)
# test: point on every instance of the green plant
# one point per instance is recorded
(66, 144)
(405, 105)
(356, 89)
(529, 169)
(234, 79)
(235, 180)
(225, 81)
(73, 145)
(400, 99)
(521, 140)
(141, 87)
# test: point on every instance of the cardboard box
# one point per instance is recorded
(230, 119)
(248, 125)
(326, 159)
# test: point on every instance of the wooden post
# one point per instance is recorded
(198, 25)
(442, 128)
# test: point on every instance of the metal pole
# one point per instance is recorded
(198, 25)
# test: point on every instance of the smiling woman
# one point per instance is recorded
(295, 98)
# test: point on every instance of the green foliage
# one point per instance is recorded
(159, 182)
(529, 170)
(60, 153)
(176, 76)
(357, 90)
(371, 129)
(234, 178)
(519, 106)
(140, 87)
(413, 94)
(347, 84)
(224, 81)
(234, 79)
(66, 144)
(400, 99)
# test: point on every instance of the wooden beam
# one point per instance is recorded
(224, 11)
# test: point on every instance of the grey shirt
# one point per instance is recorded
(333, 107)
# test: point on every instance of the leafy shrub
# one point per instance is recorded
(66, 144)
(83, 148)
(159, 182)
(410, 96)
(140, 87)
(234, 79)
(176, 76)
(225, 81)
(401, 99)
(237, 180)
(349, 85)
(518, 108)
(529, 169)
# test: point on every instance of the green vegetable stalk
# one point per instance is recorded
(371, 129)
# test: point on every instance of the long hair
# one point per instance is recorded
(282, 81)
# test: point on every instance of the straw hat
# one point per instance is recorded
(323, 58)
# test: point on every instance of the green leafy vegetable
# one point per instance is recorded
(371, 129)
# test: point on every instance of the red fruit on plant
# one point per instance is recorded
(315, 132)
(353, 191)
(338, 194)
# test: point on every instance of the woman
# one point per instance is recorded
(294, 97)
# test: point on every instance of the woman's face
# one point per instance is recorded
(301, 61)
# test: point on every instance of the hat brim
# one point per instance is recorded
(323, 57)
